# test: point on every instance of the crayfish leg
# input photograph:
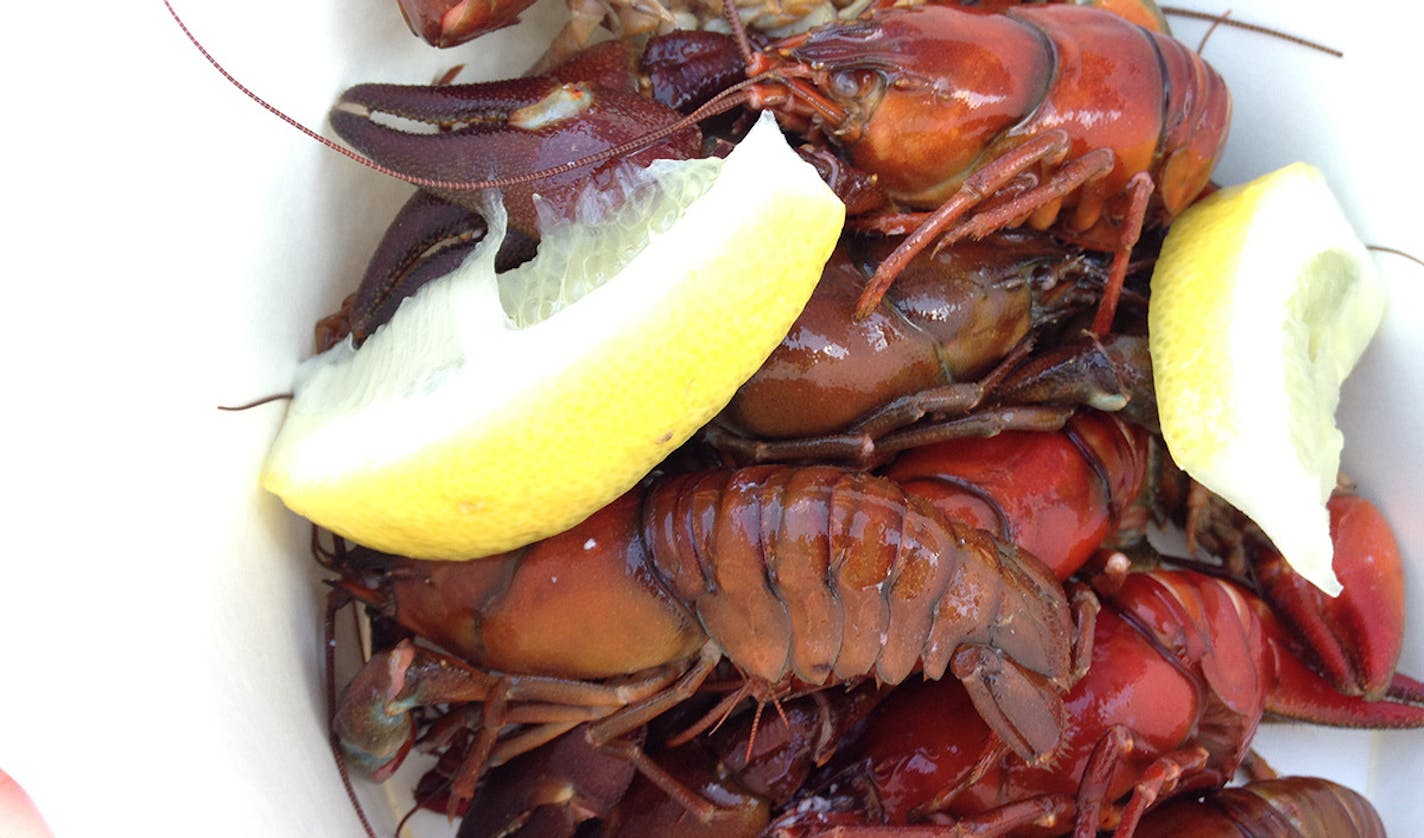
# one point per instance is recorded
(1023, 708)
(1166, 776)
(1139, 190)
(1160, 779)
(1086, 608)
(702, 808)
(639, 713)
(990, 757)
(1050, 146)
(969, 212)
(1045, 811)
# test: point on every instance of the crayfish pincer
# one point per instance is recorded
(798, 577)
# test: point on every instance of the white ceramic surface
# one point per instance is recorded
(175, 243)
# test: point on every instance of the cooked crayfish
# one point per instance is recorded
(925, 98)
(1184, 667)
(796, 576)
(1354, 639)
(959, 347)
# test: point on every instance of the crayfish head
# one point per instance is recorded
(923, 91)
(832, 76)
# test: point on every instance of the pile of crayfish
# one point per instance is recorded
(903, 582)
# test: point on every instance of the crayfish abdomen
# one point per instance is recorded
(1305, 807)
(819, 571)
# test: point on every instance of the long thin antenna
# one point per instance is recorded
(723, 101)
(256, 402)
(273, 109)
(1379, 248)
(1234, 23)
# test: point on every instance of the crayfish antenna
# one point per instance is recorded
(726, 100)
(1256, 768)
(739, 30)
(273, 109)
(275, 397)
(405, 819)
(756, 725)
(713, 718)
(1379, 248)
(1226, 20)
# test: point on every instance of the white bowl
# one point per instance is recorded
(163, 625)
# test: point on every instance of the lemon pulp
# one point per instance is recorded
(1263, 300)
(453, 433)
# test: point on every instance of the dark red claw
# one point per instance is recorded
(492, 129)
(427, 239)
(446, 104)
(1355, 638)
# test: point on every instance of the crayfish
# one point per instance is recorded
(799, 577)
(950, 340)
(1184, 667)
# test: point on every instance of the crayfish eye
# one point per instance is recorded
(856, 84)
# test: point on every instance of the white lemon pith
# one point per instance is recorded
(453, 434)
(1263, 300)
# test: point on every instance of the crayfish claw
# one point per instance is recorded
(375, 733)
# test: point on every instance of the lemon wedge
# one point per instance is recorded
(1263, 300)
(492, 412)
